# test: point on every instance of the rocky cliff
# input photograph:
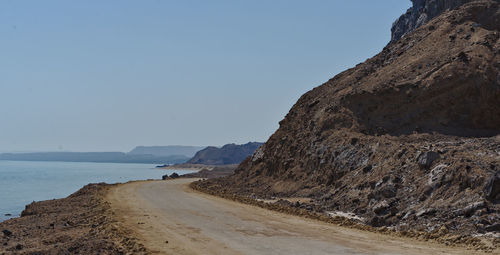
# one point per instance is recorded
(226, 155)
(408, 139)
(420, 13)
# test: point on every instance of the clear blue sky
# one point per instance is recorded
(102, 75)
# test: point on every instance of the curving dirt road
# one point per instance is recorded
(170, 218)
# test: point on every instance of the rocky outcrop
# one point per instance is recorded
(226, 155)
(420, 13)
(408, 139)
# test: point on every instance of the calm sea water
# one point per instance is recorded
(22, 182)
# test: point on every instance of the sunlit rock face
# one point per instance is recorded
(420, 13)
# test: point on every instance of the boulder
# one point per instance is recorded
(493, 228)
(425, 159)
(425, 212)
(470, 209)
(376, 221)
(492, 187)
(388, 191)
(7, 232)
(381, 207)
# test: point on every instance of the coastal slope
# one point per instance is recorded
(82, 223)
(406, 140)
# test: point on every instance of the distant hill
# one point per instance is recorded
(227, 154)
(171, 150)
(102, 157)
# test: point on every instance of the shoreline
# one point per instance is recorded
(190, 167)
(23, 182)
(195, 167)
(83, 223)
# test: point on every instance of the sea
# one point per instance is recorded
(22, 182)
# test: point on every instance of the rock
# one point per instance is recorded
(7, 232)
(174, 176)
(429, 211)
(7, 214)
(367, 168)
(258, 154)
(380, 207)
(470, 209)
(492, 187)
(354, 140)
(425, 159)
(463, 57)
(376, 221)
(427, 191)
(481, 212)
(19, 247)
(443, 230)
(165, 177)
(436, 174)
(388, 191)
(419, 14)
(493, 228)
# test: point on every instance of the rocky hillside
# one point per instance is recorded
(227, 154)
(408, 139)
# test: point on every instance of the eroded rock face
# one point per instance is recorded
(492, 188)
(420, 13)
(409, 138)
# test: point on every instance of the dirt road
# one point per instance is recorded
(170, 218)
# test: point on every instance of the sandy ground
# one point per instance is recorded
(170, 218)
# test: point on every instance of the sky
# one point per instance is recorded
(103, 75)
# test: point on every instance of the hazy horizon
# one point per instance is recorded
(109, 76)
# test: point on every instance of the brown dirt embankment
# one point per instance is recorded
(81, 223)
